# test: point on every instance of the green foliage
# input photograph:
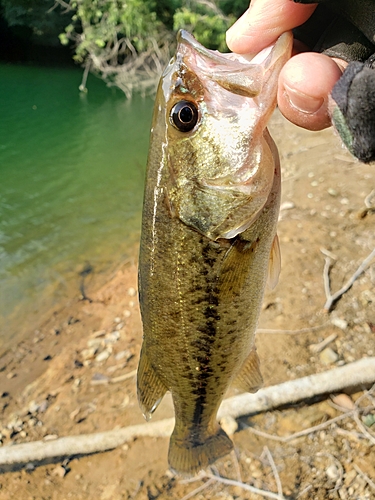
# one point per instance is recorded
(206, 22)
(99, 24)
(110, 36)
(39, 16)
(233, 7)
(165, 10)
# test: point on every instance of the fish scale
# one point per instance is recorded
(208, 238)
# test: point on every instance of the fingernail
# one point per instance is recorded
(303, 102)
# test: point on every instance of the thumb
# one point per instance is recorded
(264, 22)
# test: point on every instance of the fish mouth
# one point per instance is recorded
(242, 75)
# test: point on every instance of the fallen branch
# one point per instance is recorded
(82, 445)
(333, 298)
(359, 373)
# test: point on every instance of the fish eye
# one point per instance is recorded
(184, 116)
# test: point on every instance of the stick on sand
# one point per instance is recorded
(359, 373)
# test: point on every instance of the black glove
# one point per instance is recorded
(346, 29)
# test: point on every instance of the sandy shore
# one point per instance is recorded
(76, 373)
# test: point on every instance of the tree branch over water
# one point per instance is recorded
(127, 43)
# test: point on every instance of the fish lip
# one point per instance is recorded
(241, 74)
(244, 60)
(187, 39)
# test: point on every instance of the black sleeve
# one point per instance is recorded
(340, 28)
(346, 29)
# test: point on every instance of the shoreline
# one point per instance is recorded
(66, 327)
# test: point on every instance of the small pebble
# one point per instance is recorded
(50, 437)
(112, 337)
(103, 356)
(88, 353)
(11, 375)
(125, 401)
(344, 401)
(74, 413)
(328, 356)
(132, 292)
(97, 334)
(287, 205)
(332, 192)
(349, 477)
(340, 323)
(59, 471)
(123, 354)
(95, 343)
(99, 378)
(229, 425)
(369, 420)
(33, 407)
(332, 472)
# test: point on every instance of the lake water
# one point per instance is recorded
(72, 169)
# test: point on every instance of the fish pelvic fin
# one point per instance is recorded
(274, 264)
(249, 378)
(150, 388)
(189, 456)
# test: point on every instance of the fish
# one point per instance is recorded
(208, 239)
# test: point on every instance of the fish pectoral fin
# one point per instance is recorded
(274, 264)
(249, 378)
(237, 261)
(150, 388)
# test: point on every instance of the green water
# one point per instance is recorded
(72, 169)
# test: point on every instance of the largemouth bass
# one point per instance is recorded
(208, 238)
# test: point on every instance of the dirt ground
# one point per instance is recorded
(69, 377)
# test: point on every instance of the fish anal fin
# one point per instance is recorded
(249, 378)
(274, 264)
(189, 456)
(150, 388)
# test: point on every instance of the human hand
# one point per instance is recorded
(307, 78)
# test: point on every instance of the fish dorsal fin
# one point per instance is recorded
(150, 388)
(249, 378)
(274, 264)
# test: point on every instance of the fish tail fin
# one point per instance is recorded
(189, 456)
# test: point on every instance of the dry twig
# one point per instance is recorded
(357, 373)
(333, 298)
(246, 487)
(369, 481)
(199, 489)
(275, 473)
(304, 432)
(292, 332)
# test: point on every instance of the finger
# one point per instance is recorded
(305, 83)
(264, 22)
